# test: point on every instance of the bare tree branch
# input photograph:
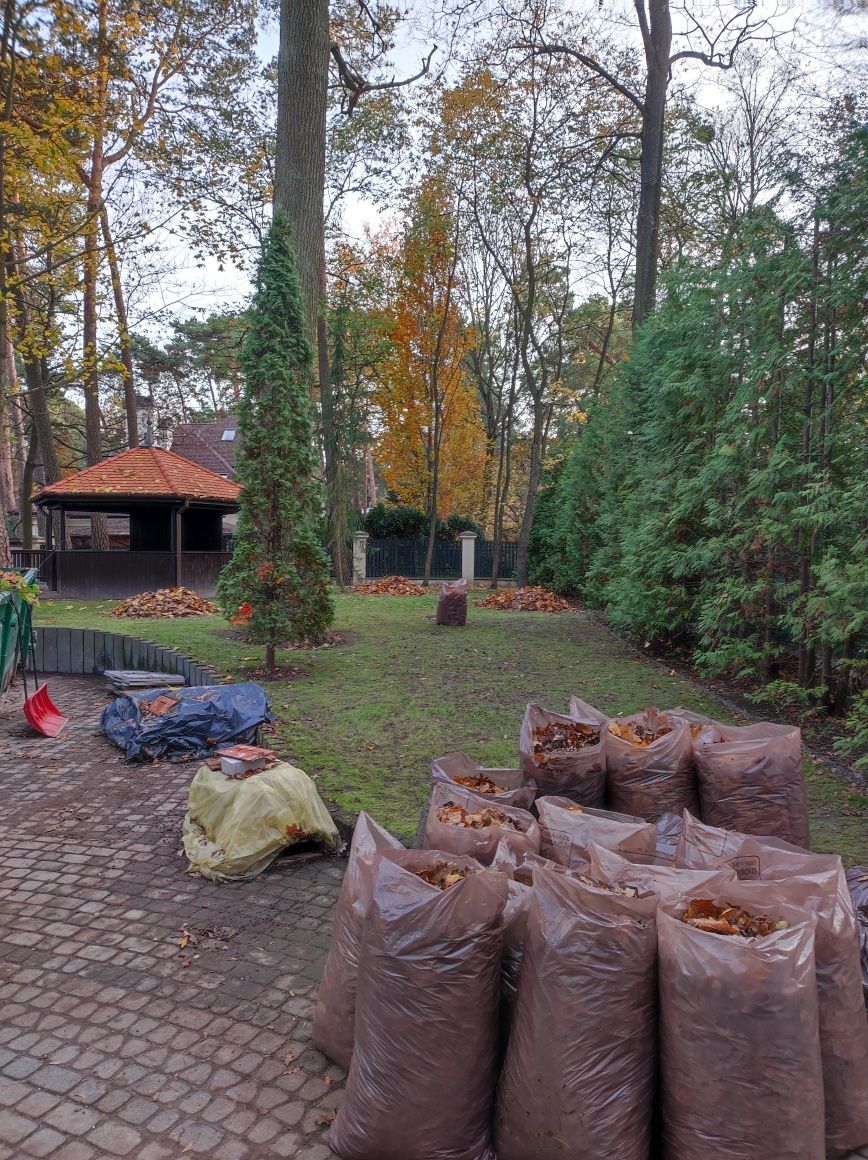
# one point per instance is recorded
(357, 86)
(589, 62)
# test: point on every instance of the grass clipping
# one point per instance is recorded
(167, 604)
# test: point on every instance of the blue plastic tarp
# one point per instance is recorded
(200, 721)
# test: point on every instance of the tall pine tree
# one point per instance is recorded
(277, 579)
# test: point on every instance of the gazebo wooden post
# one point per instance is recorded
(178, 536)
(176, 545)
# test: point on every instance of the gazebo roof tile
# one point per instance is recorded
(145, 473)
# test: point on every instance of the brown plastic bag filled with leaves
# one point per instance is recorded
(669, 828)
(464, 822)
(509, 787)
(741, 1075)
(857, 882)
(666, 882)
(817, 883)
(578, 1080)
(421, 1081)
(452, 603)
(750, 779)
(567, 830)
(649, 765)
(564, 754)
(514, 937)
(696, 721)
(514, 925)
(335, 1012)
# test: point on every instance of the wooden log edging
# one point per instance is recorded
(90, 651)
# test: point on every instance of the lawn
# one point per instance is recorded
(371, 713)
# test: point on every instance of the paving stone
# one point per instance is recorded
(21, 1066)
(74, 1150)
(37, 1104)
(44, 1142)
(14, 1128)
(115, 1139)
(198, 1137)
(11, 1091)
(72, 1119)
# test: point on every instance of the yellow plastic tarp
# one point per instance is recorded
(235, 828)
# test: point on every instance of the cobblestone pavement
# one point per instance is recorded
(114, 1040)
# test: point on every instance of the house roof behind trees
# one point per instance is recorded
(213, 445)
(144, 473)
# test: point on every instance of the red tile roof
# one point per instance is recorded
(144, 473)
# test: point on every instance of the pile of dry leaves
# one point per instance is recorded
(167, 603)
(561, 737)
(479, 784)
(526, 600)
(642, 732)
(481, 819)
(443, 874)
(390, 586)
(716, 918)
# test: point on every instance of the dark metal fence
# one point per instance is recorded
(485, 559)
(407, 558)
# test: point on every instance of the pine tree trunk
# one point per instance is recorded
(533, 482)
(658, 44)
(16, 415)
(7, 481)
(299, 190)
(25, 506)
(299, 170)
(90, 275)
(335, 493)
(269, 658)
(5, 550)
(504, 478)
(124, 342)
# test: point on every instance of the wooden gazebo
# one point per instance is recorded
(175, 510)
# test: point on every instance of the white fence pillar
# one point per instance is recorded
(468, 556)
(360, 556)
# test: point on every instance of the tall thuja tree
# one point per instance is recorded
(752, 477)
(277, 579)
(831, 613)
(650, 510)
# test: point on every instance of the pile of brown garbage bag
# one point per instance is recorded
(550, 979)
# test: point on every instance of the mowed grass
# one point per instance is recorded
(370, 714)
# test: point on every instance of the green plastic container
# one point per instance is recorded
(14, 610)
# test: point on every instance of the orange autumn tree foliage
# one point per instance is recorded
(432, 442)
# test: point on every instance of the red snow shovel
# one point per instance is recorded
(41, 712)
